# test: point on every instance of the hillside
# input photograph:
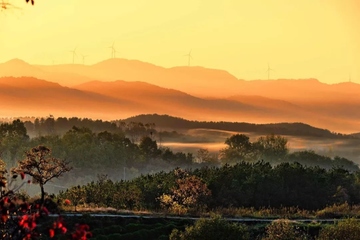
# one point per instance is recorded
(197, 93)
(193, 80)
(294, 129)
(173, 102)
(20, 68)
(197, 81)
(29, 96)
(33, 97)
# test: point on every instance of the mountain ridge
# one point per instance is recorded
(283, 128)
(197, 81)
(176, 91)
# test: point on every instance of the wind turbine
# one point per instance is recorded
(83, 57)
(269, 70)
(74, 54)
(349, 77)
(113, 50)
(189, 57)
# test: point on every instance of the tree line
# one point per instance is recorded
(131, 149)
(243, 185)
(50, 125)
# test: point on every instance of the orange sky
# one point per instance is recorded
(299, 39)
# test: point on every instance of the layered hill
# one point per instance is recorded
(174, 102)
(294, 129)
(190, 92)
(20, 68)
(197, 81)
(33, 97)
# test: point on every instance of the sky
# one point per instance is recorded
(297, 39)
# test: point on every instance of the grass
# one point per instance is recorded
(330, 212)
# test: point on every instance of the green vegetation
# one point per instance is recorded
(257, 185)
(214, 228)
(113, 146)
(283, 229)
(346, 229)
(258, 179)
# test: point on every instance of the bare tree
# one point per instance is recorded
(42, 167)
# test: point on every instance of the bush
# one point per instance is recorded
(215, 228)
(345, 229)
(284, 230)
(338, 211)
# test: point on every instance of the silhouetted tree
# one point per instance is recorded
(238, 149)
(41, 167)
(148, 148)
(204, 156)
(272, 147)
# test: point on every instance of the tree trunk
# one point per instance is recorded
(42, 195)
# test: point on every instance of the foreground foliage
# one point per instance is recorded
(346, 229)
(39, 165)
(243, 185)
(19, 218)
(283, 229)
(214, 228)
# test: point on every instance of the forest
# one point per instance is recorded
(110, 147)
(121, 166)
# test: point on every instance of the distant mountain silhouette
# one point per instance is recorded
(112, 100)
(30, 96)
(237, 108)
(200, 93)
(295, 129)
(20, 68)
(301, 90)
(197, 81)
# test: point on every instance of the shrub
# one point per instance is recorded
(345, 229)
(284, 230)
(215, 228)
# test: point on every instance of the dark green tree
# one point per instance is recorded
(13, 136)
(239, 148)
(272, 148)
(76, 195)
(149, 148)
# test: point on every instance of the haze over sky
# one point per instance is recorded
(299, 38)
